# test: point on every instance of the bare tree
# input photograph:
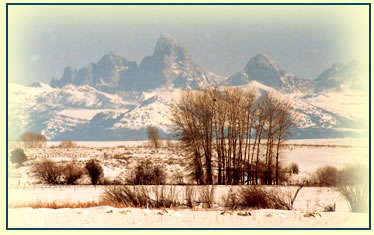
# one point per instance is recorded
(285, 121)
(33, 140)
(187, 128)
(217, 126)
(154, 136)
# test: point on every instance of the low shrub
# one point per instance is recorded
(206, 194)
(260, 198)
(327, 176)
(18, 156)
(189, 196)
(294, 168)
(48, 172)
(94, 170)
(131, 197)
(67, 144)
(51, 172)
(164, 198)
(147, 173)
(357, 196)
(178, 178)
(72, 173)
(329, 207)
(230, 200)
(107, 181)
(140, 196)
(353, 185)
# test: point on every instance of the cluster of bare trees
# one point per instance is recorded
(33, 140)
(231, 136)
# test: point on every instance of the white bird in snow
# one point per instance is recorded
(168, 212)
(125, 212)
(146, 211)
(274, 214)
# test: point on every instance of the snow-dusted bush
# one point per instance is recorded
(72, 173)
(154, 136)
(189, 196)
(50, 172)
(294, 168)
(327, 176)
(147, 173)
(177, 178)
(165, 197)
(329, 207)
(206, 195)
(18, 156)
(230, 200)
(67, 144)
(128, 196)
(353, 185)
(260, 198)
(94, 170)
(140, 196)
(107, 181)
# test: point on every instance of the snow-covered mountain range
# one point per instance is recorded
(116, 99)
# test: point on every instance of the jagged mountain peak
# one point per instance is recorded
(111, 58)
(172, 66)
(263, 69)
(340, 76)
(334, 68)
(264, 61)
(166, 38)
(168, 45)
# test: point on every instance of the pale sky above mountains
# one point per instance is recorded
(303, 40)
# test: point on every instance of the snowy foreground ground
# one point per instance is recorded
(309, 154)
(97, 217)
(309, 199)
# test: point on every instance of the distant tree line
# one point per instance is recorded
(233, 136)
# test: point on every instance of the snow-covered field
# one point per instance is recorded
(98, 217)
(118, 158)
(309, 199)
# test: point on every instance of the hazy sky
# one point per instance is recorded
(303, 40)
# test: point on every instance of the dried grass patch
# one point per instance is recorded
(66, 204)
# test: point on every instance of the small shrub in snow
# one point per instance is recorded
(140, 196)
(67, 144)
(164, 197)
(154, 136)
(107, 181)
(178, 178)
(206, 194)
(131, 197)
(18, 156)
(48, 172)
(353, 185)
(230, 200)
(94, 170)
(51, 172)
(72, 173)
(327, 176)
(147, 173)
(190, 196)
(258, 197)
(357, 196)
(329, 207)
(294, 168)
